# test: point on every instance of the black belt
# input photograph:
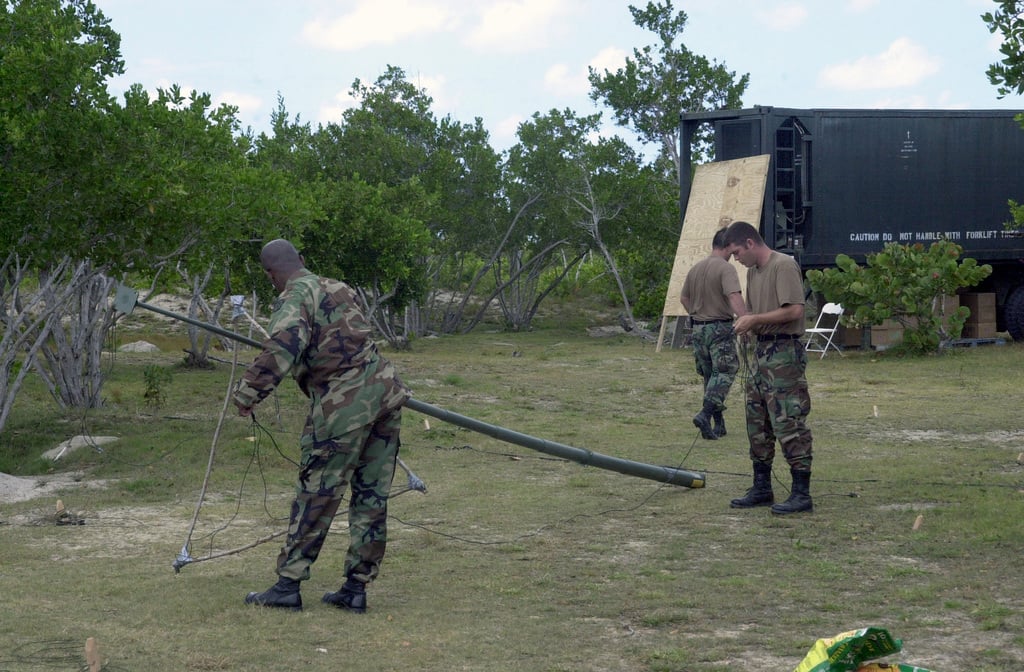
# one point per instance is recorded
(702, 322)
(777, 337)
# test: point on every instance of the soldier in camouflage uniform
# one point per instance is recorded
(320, 337)
(777, 399)
(711, 295)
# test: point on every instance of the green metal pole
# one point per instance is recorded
(127, 299)
(220, 331)
(581, 455)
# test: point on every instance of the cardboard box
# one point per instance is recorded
(979, 330)
(982, 306)
(886, 334)
(849, 337)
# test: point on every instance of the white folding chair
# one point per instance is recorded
(820, 336)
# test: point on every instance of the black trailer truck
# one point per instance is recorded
(850, 181)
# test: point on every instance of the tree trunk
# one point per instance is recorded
(596, 214)
(519, 290)
(80, 316)
(380, 316)
(200, 340)
(454, 317)
(25, 325)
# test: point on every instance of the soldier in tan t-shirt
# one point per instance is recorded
(777, 398)
(711, 295)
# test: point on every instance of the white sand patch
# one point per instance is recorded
(21, 489)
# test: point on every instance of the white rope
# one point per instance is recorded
(183, 556)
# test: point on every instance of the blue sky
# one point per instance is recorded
(503, 60)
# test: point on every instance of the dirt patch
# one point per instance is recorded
(24, 488)
(19, 489)
(1003, 438)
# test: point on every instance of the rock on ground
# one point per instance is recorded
(138, 346)
(74, 443)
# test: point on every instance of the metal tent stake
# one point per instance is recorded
(127, 299)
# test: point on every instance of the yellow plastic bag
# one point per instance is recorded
(847, 652)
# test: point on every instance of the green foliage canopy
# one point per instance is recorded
(646, 95)
(372, 239)
(550, 160)
(658, 82)
(130, 187)
(380, 193)
(54, 59)
(1008, 21)
(1008, 74)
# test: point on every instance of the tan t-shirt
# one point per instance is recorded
(708, 286)
(776, 285)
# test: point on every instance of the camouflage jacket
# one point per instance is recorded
(319, 335)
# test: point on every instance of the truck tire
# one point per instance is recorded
(1013, 313)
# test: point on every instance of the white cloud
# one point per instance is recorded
(945, 100)
(910, 102)
(561, 80)
(165, 84)
(504, 133)
(331, 112)
(557, 78)
(951, 100)
(374, 22)
(904, 63)
(611, 59)
(786, 16)
(858, 6)
(247, 104)
(436, 87)
(519, 25)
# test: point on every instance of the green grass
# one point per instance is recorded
(517, 560)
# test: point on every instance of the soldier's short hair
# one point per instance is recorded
(739, 232)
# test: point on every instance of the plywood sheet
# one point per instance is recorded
(722, 192)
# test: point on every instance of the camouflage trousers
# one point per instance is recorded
(778, 404)
(364, 458)
(714, 351)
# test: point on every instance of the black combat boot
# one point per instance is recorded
(799, 498)
(702, 421)
(350, 597)
(719, 428)
(284, 595)
(761, 493)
